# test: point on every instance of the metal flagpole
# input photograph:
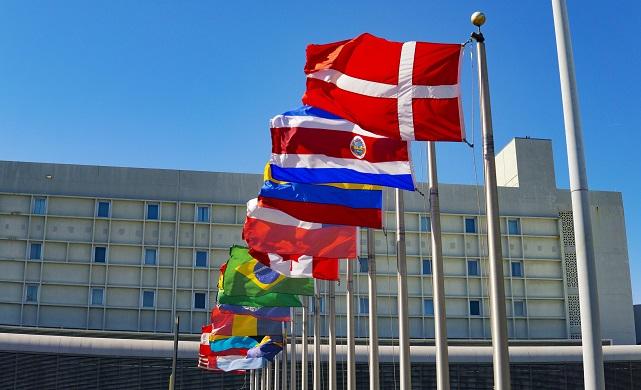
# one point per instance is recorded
(174, 362)
(283, 375)
(438, 283)
(304, 369)
(317, 337)
(269, 371)
(593, 377)
(332, 334)
(401, 273)
(292, 344)
(263, 383)
(351, 354)
(251, 379)
(495, 256)
(373, 318)
(277, 368)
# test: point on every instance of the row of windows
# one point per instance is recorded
(103, 210)
(97, 297)
(100, 255)
(473, 267)
(513, 225)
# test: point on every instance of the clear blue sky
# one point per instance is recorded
(192, 84)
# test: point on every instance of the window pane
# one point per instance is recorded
(427, 267)
(201, 259)
(35, 252)
(322, 305)
(150, 256)
(152, 211)
(103, 209)
(96, 296)
(148, 299)
(425, 223)
(199, 300)
(363, 305)
(428, 307)
(519, 309)
(475, 308)
(517, 269)
(32, 293)
(100, 254)
(473, 267)
(363, 265)
(203, 214)
(513, 226)
(470, 225)
(40, 206)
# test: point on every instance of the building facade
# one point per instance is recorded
(127, 249)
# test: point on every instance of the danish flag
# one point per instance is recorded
(407, 91)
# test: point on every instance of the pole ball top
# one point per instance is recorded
(478, 18)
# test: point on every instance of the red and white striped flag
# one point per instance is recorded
(299, 266)
(398, 90)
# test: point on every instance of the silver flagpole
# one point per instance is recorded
(373, 318)
(317, 337)
(251, 379)
(270, 372)
(351, 354)
(438, 282)
(304, 363)
(263, 382)
(283, 374)
(292, 343)
(332, 334)
(495, 255)
(401, 273)
(277, 368)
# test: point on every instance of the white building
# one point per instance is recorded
(125, 249)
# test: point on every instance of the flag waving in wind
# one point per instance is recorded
(406, 91)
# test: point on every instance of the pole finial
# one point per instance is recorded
(478, 19)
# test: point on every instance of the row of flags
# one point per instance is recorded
(366, 98)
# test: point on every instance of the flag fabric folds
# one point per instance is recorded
(267, 313)
(268, 348)
(408, 91)
(232, 343)
(246, 276)
(226, 324)
(269, 230)
(310, 145)
(297, 266)
(264, 300)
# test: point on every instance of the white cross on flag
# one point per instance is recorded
(398, 90)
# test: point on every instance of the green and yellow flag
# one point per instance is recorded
(246, 276)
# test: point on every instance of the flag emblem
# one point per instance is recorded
(357, 146)
(265, 274)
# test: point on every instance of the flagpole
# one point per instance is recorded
(495, 256)
(277, 368)
(304, 369)
(317, 337)
(263, 383)
(351, 354)
(332, 334)
(372, 317)
(251, 379)
(174, 361)
(593, 376)
(438, 282)
(268, 381)
(283, 375)
(292, 343)
(401, 272)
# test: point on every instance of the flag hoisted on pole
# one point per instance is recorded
(331, 319)
(304, 358)
(351, 315)
(495, 256)
(593, 375)
(401, 274)
(317, 337)
(372, 320)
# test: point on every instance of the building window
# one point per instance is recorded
(473, 268)
(513, 226)
(519, 308)
(203, 214)
(150, 256)
(201, 259)
(97, 296)
(363, 265)
(428, 307)
(148, 298)
(475, 307)
(200, 300)
(40, 206)
(99, 254)
(322, 305)
(470, 225)
(427, 267)
(426, 224)
(103, 209)
(363, 305)
(152, 211)
(35, 251)
(31, 293)
(517, 269)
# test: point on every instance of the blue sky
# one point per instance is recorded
(192, 84)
